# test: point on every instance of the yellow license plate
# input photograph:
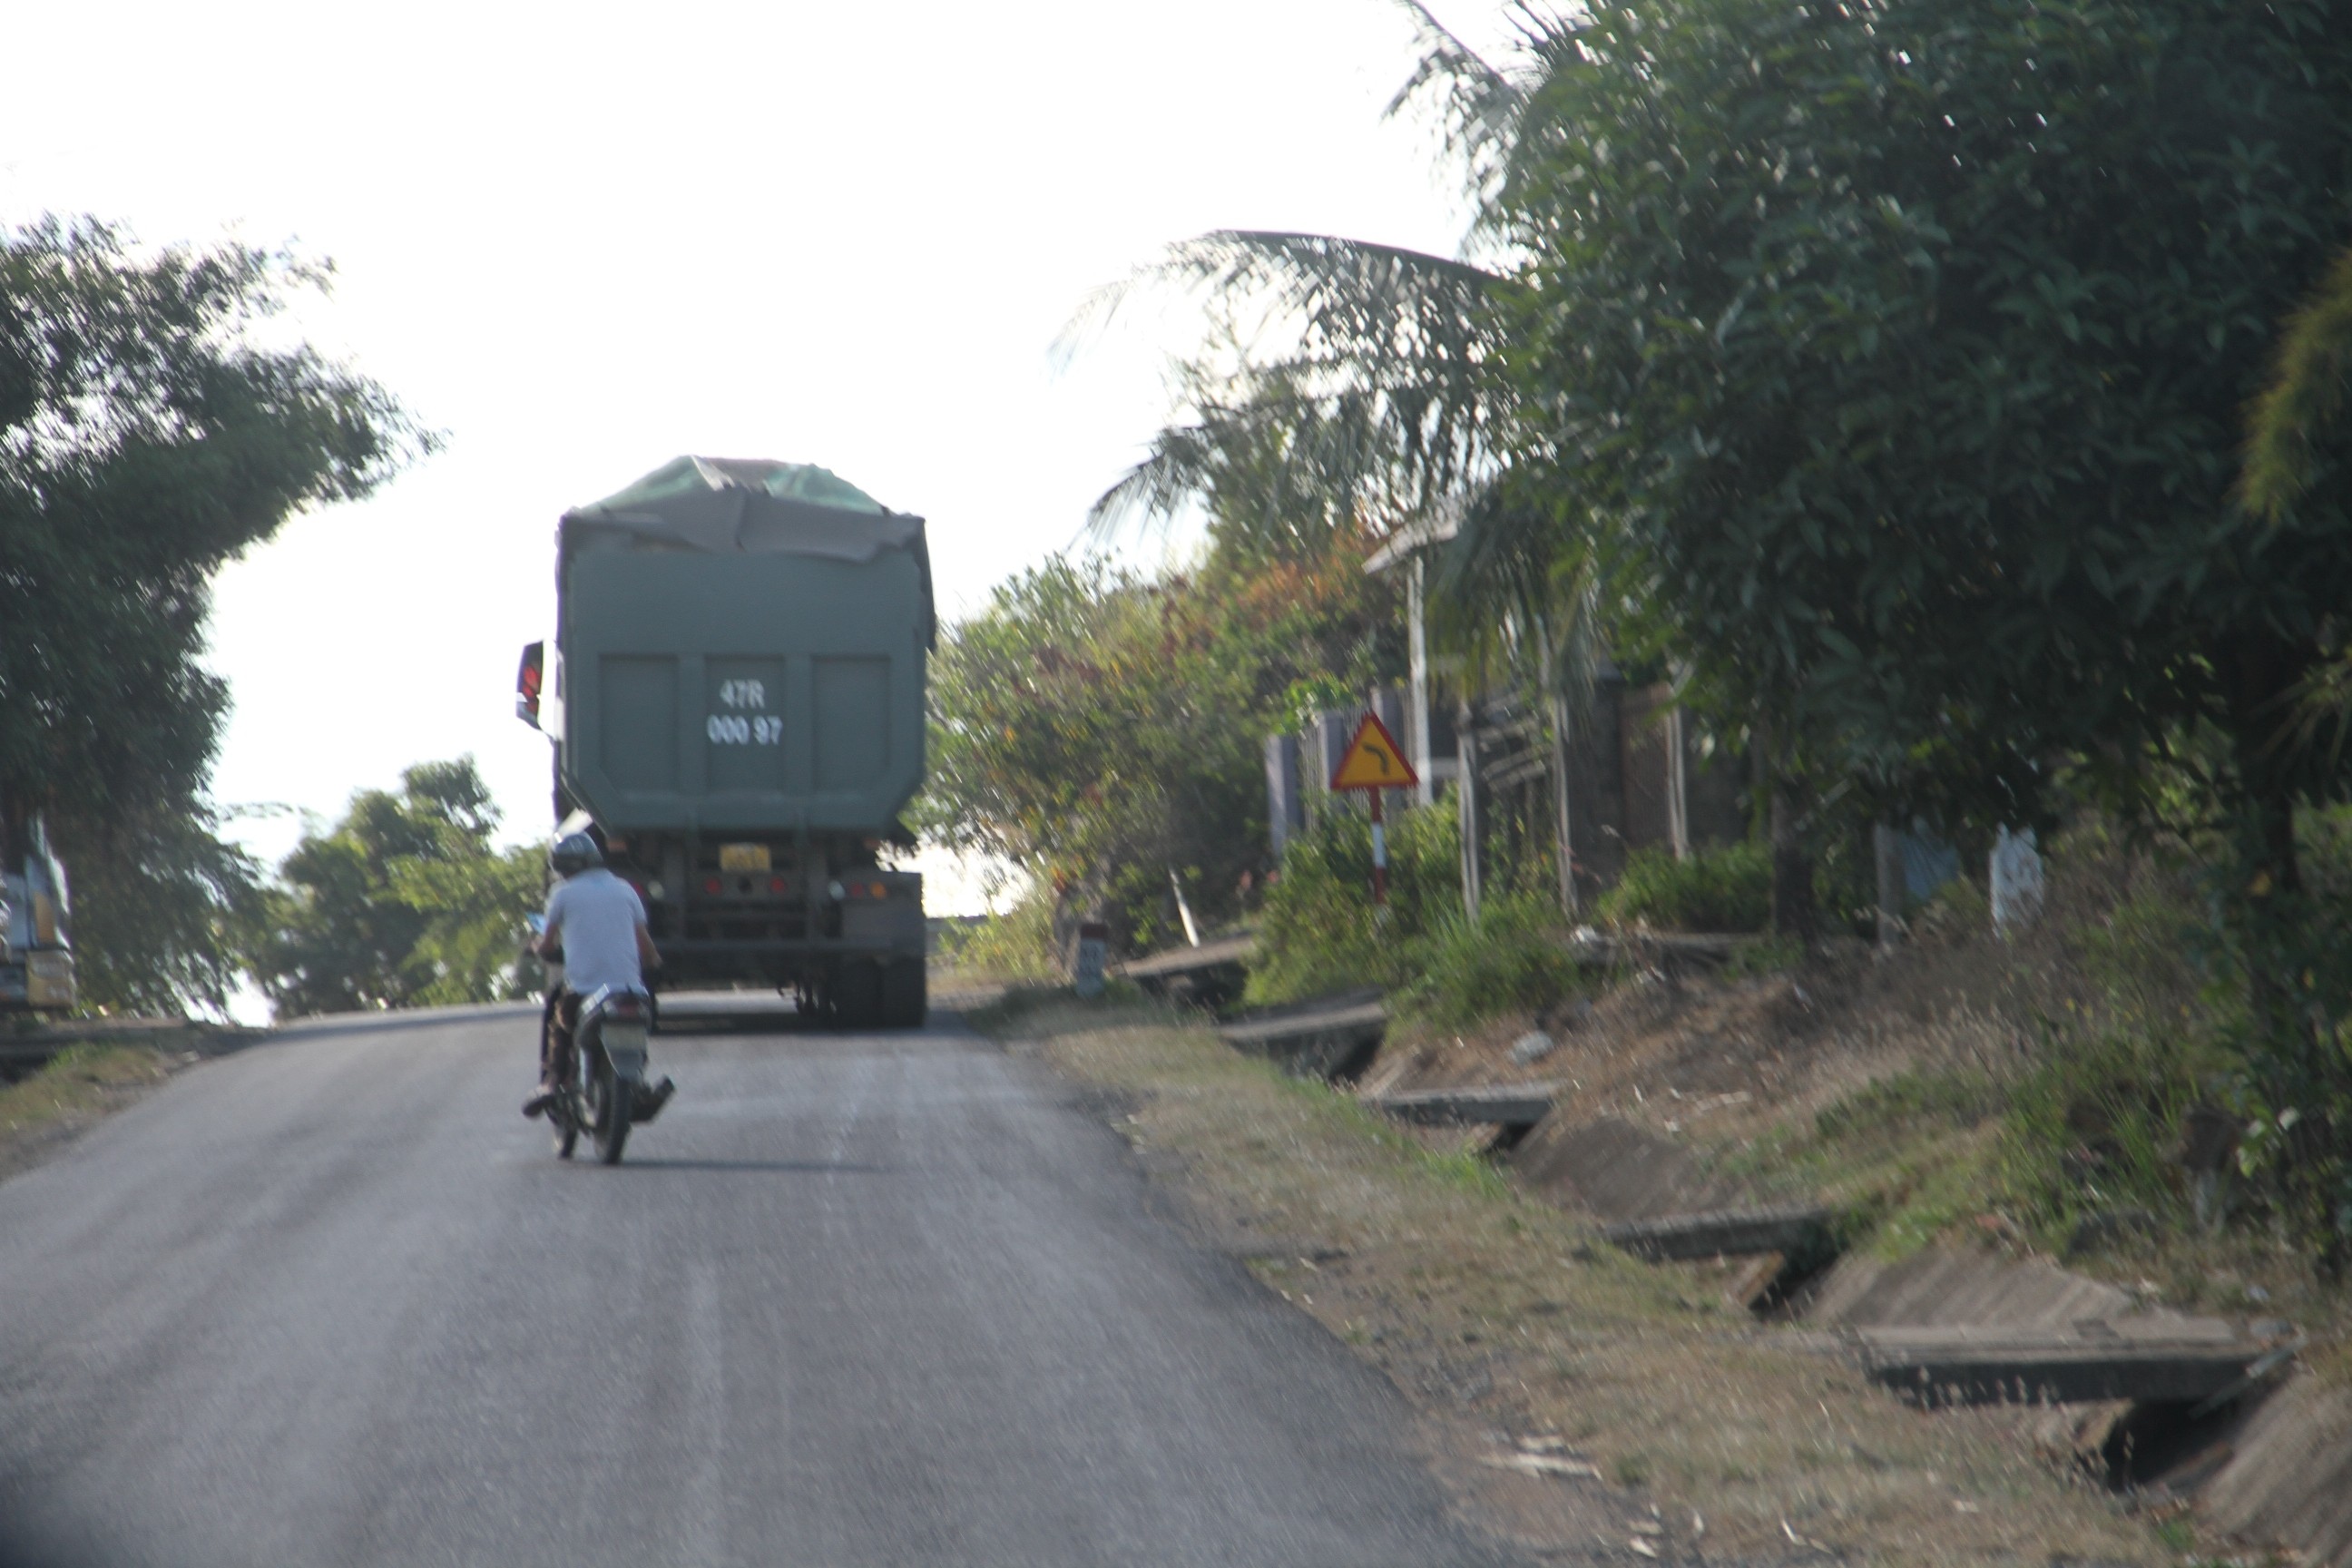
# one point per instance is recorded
(742, 856)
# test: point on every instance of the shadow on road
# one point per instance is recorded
(320, 1024)
(764, 1167)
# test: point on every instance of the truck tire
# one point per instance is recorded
(904, 998)
(858, 1001)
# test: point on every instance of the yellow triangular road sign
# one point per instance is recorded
(1373, 760)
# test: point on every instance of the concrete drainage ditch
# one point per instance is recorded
(2170, 1408)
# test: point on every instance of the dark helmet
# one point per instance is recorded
(574, 853)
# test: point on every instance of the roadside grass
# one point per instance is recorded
(1479, 1300)
(1764, 955)
(1724, 887)
(1904, 1160)
(1512, 957)
(1011, 945)
(76, 1086)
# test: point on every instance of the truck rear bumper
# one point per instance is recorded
(680, 950)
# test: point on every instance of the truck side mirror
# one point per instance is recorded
(527, 683)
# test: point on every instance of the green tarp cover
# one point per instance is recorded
(749, 506)
(699, 476)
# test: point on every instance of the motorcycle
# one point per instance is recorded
(600, 1080)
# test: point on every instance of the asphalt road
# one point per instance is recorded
(890, 1299)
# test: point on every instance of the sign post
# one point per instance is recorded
(1374, 761)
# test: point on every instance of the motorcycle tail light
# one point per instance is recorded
(711, 885)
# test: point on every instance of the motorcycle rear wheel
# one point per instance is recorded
(563, 1116)
(614, 1101)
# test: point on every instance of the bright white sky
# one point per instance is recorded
(582, 239)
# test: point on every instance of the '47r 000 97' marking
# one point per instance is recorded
(743, 694)
(735, 730)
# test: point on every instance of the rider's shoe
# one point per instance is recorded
(536, 1106)
(650, 1099)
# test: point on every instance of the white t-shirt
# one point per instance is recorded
(595, 915)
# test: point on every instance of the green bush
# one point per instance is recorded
(2092, 1126)
(1318, 935)
(1727, 888)
(1513, 957)
(1015, 944)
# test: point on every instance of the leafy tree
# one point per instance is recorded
(159, 901)
(1351, 379)
(1891, 360)
(405, 902)
(147, 436)
(1847, 348)
(1896, 348)
(1101, 729)
(474, 905)
(1886, 365)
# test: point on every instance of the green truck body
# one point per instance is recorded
(738, 706)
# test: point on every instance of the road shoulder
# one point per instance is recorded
(1569, 1392)
(66, 1079)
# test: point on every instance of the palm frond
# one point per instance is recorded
(1515, 594)
(1348, 299)
(1340, 296)
(1278, 463)
(1380, 394)
(2305, 396)
(2318, 709)
(1477, 105)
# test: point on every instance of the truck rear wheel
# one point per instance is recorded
(904, 993)
(858, 999)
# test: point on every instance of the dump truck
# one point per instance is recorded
(735, 692)
(37, 961)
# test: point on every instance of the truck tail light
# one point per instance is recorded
(527, 683)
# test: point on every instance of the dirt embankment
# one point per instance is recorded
(1882, 1087)
(1681, 1050)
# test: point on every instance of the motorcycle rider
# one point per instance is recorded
(598, 923)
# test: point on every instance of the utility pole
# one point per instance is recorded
(1465, 802)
